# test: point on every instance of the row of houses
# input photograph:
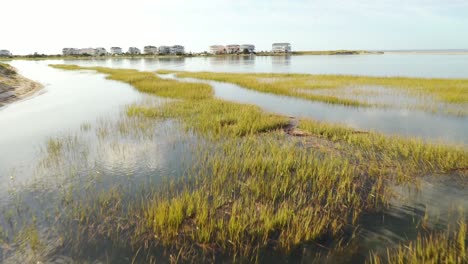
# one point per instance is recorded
(85, 51)
(167, 50)
(247, 48)
(232, 49)
(162, 50)
(5, 53)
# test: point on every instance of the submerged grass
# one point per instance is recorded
(439, 247)
(254, 193)
(297, 85)
(251, 187)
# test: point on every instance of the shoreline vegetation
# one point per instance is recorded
(13, 86)
(449, 96)
(257, 188)
(203, 54)
(125, 56)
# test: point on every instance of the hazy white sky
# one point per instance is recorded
(46, 26)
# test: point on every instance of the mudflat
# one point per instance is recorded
(13, 86)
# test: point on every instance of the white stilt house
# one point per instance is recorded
(87, 51)
(134, 51)
(233, 49)
(164, 50)
(153, 50)
(70, 51)
(116, 50)
(217, 49)
(281, 47)
(247, 48)
(177, 50)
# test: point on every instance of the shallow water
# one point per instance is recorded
(68, 100)
(414, 123)
(374, 95)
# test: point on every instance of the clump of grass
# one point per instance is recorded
(54, 146)
(216, 117)
(149, 83)
(416, 155)
(69, 67)
(442, 247)
(85, 126)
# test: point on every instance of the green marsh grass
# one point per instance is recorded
(437, 247)
(215, 117)
(414, 155)
(451, 91)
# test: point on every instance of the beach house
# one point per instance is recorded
(100, 51)
(247, 48)
(87, 51)
(281, 47)
(217, 49)
(164, 50)
(177, 50)
(70, 51)
(116, 50)
(134, 51)
(150, 50)
(5, 53)
(233, 49)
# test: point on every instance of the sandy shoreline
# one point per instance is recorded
(15, 87)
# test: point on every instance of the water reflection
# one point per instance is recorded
(69, 100)
(413, 65)
(281, 60)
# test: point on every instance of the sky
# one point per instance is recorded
(46, 26)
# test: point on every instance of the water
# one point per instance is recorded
(68, 100)
(410, 65)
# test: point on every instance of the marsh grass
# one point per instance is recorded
(255, 193)
(436, 247)
(450, 91)
(413, 155)
(216, 117)
(250, 187)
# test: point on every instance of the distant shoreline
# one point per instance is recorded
(15, 87)
(261, 53)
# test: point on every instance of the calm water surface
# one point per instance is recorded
(411, 65)
(68, 100)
